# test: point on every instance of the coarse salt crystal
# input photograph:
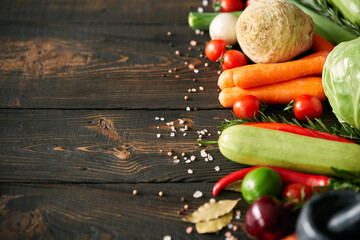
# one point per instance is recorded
(162, 119)
(188, 161)
(192, 158)
(201, 88)
(188, 109)
(182, 129)
(230, 226)
(205, 3)
(203, 153)
(184, 134)
(197, 31)
(167, 237)
(200, 9)
(190, 171)
(157, 118)
(158, 135)
(172, 134)
(219, 132)
(176, 160)
(217, 168)
(212, 200)
(197, 194)
(196, 70)
(210, 157)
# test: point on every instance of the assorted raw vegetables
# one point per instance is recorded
(290, 63)
(341, 80)
(274, 31)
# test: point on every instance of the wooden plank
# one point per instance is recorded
(102, 66)
(110, 146)
(105, 211)
(111, 11)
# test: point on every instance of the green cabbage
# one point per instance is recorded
(341, 81)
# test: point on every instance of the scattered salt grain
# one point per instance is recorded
(176, 160)
(203, 153)
(210, 157)
(189, 230)
(197, 194)
(212, 200)
(230, 226)
(186, 97)
(219, 132)
(190, 171)
(167, 237)
(162, 119)
(201, 88)
(158, 135)
(217, 168)
(192, 158)
(172, 134)
(157, 118)
(188, 161)
(196, 70)
(188, 109)
(197, 31)
(184, 134)
(181, 121)
(200, 9)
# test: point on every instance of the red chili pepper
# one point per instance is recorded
(299, 130)
(288, 176)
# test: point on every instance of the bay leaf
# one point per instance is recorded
(211, 210)
(234, 186)
(214, 225)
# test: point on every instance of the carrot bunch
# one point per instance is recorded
(277, 83)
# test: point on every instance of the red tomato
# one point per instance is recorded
(233, 59)
(231, 5)
(297, 192)
(215, 49)
(307, 106)
(247, 107)
(249, 2)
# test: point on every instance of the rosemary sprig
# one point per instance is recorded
(342, 129)
(322, 7)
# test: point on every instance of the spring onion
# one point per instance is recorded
(202, 21)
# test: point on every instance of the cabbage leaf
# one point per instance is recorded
(341, 81)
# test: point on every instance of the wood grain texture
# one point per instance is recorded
(104, 211)
(103, 67)
(109, 11)
(107, 146)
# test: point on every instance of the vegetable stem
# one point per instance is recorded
(207, 143)
(202, 21)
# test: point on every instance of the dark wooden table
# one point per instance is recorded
(82, 84)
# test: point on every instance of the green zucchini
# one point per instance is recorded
(258, 146)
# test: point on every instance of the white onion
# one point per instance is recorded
(223, 26)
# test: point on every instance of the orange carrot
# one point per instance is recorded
(320, 44)
(317, 54)
(277, 93)
(255, 75)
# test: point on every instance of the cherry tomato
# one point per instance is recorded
(247, 107)
(307, 106)
(249, 2)
(231, 5)
(233, 59)
(215, 49)
(297, 192)
(260, 182)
